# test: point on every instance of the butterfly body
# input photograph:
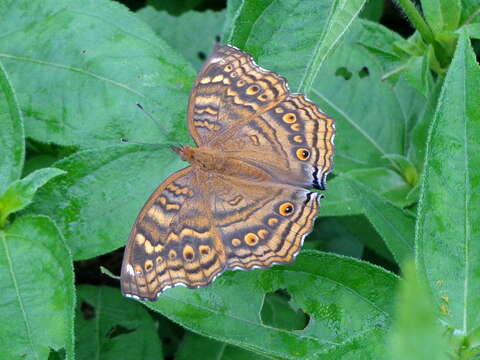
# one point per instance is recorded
(242, 203)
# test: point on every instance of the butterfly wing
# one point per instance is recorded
(249, 114)
(230, 89)
(293, 142)
(173, 241)
(197, 224)
(262, 224)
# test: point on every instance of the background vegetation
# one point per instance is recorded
(392, 270)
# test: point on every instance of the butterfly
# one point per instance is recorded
(243, 202)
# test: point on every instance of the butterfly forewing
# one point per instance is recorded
(229, 90)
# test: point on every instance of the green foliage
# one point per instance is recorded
(405, 186)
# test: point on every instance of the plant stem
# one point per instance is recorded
(417, 20)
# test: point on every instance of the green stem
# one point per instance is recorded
(417, 20)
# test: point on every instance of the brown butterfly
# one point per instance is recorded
(241, 204)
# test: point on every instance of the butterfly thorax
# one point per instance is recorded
(211, 159)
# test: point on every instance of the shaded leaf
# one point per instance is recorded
(36, 290)
(108, 326)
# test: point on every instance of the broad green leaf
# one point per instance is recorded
(388, 183)
(419, 133)
(396, 227)
(108, 326)
(293, 38)
(36, 290)
(232, 11)
(416, 332)
(20, 193)
(79, 68)
(347, 301)
(448, 228)
(442, 15)
(192, 34)
(373, 10)
(12, 149)
(210, 349)
(471, 30)
(371, 121)
(96, 202)
(407, 168)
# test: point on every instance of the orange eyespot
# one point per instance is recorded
(188, 253)
(253, 89)
(286, 209)
(148, 265)
(228, 68)
(172, 254)
(289, 118)
(303, 154)
(251, 239)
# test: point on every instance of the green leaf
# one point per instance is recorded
(20, 193)
(388, 183)
(96, 202)
(419, 133)
(448, 231)
(442, 15)
(36, 290)
(12, 150)
(471, 30)
(407, 168)
(416, 333)
(108, 326)
(396, 227)
(79, 68)
(368, 130)
(232, 11)
(293, 38)
(194, 344)
(347, 301)
(192, 34)
(470, 11)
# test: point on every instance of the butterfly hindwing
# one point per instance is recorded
(262, 224)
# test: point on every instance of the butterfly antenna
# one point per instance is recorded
(168, 144)
(150, 116)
